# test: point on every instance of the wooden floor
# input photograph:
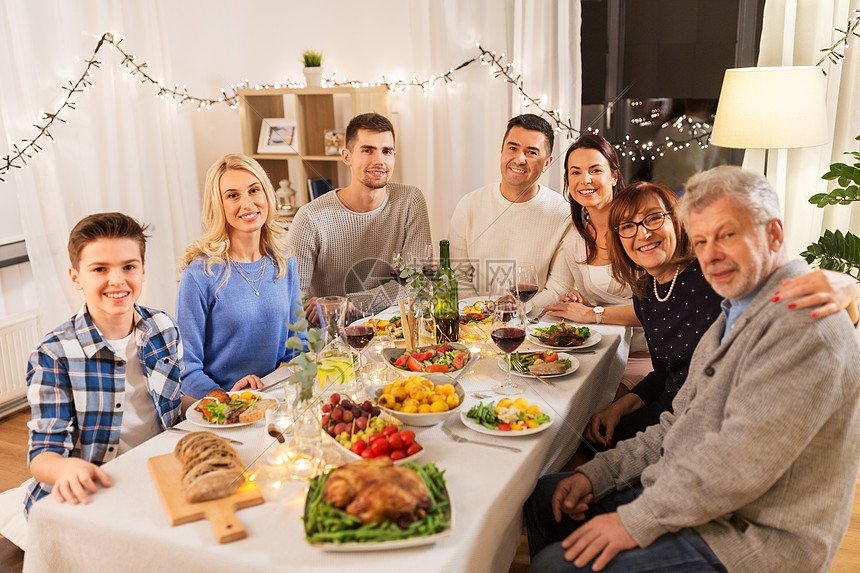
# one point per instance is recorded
(13, 471)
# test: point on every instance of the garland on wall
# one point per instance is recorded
(26, 149)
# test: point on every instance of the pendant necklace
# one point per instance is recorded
(257, 280)
(671, 287)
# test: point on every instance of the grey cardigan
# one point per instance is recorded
(760, 451)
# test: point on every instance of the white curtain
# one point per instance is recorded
(450, 140)
(124, 150)
(793, 33)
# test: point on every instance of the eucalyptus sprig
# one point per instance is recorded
(306, 372)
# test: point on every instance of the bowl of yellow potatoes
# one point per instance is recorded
(423, 400)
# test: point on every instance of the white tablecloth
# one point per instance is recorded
(124, 527)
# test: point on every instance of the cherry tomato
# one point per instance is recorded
(504, 427)
(396, 455)
(359, 446)
(401, 361)
(380, 447)
(367, 454)
(549, 356)
(407, 437)
(422, 356)
(413, 449)
(376, 436)
(395, 442)
(389, 430)
(414, 365)
(444, 348)
(437, 368)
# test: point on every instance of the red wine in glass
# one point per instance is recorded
(395, 274)
(358, 336)
(429, 271)
(508, 338)
(506, 311)
(524, 292)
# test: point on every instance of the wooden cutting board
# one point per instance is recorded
(166, 471)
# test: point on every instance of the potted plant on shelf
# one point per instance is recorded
(835, 251)
(312, 61)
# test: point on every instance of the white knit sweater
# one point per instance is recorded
(489, 234)
(341, 252)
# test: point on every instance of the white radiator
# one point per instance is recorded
(19, 335)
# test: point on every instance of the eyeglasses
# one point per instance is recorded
(651, 222)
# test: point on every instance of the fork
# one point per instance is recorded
(461, 440)
(519, 368)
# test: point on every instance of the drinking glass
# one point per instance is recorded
(506, 337)
(401, 261)
(525, 282)
(358, 335)
(429, 263)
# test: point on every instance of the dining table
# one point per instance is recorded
(124, 527)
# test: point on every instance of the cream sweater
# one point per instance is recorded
(489, 234)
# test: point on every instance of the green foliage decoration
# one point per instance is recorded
(834, 250)
(312, 58)
(305, 362)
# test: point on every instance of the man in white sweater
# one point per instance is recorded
(344, 240)
(515, 220)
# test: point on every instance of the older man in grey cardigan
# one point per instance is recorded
(755, 466)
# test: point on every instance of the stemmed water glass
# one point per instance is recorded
(507, 337)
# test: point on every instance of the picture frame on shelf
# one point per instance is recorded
(334, 141)
(278, 135)
(318, 187)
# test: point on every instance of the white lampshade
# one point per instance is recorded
(771, 108)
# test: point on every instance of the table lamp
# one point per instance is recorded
(771, 108)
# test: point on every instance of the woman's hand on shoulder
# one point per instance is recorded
(250, 381)
(824, 292)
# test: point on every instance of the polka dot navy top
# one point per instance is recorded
(673, 329)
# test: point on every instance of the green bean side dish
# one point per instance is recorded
(325, 523)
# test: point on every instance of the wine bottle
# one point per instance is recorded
(446, 313)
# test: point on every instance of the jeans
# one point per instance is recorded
(681, 552)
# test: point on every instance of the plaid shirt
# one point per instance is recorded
(76, 387)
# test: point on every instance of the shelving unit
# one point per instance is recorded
(315, 112)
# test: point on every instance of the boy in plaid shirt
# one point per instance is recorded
(107, 379)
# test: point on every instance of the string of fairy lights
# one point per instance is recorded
(693, 132)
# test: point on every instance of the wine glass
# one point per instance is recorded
(525, 282)
(429, 263)
(358, 335)
(400, 261)
(507, 337)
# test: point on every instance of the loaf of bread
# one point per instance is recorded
(210, 467)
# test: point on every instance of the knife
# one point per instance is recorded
(181, 431)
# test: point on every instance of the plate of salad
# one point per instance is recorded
(508, 418)
(528, 359)
(563, 336)
(444, 358)
(225, 414)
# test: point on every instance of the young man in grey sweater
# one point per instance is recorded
(344, 240)
(755, 466)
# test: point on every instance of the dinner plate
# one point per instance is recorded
(473, 425)
(593, 338)
(197, 418)
(392, 354)
(356, 547)
(574, 364)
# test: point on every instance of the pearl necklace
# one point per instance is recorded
(257, 280)
(671, 287)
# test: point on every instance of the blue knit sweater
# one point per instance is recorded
(229, 332)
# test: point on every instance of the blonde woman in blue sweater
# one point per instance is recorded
(239, 284)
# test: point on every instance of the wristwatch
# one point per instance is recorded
(598, 314)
